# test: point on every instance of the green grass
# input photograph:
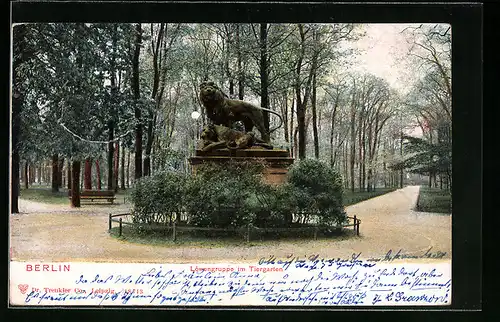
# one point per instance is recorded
(44, 194)
(351, 198)
(434, 200)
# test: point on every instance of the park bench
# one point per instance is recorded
(108, 195)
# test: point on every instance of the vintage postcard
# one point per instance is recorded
(231, 164)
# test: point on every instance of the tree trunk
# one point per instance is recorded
(369, 179)
(401, 154)
(128, 169)
(264, 79)
(21, 172)
(26, 175)
(116, 163)
(82, 172)
(32, 174)
(302, 102)
(227, 52)
(75, 184)
(111, 153)
(285, 118)
(55, 172)
(98, 172)
(363, 149)
(353, 145)
(346, 166)
(60, 172)
(241, 75)
(48, 166)
(87, 177)
(296, 142)
(20, 56)
(332, 137)
(69, 174)
(122, 172)
(384, 167)
(301, 125)
(293, 138)
(360, 170)
(149, 146)
(39, 174)
(136, 91)
(314, 117)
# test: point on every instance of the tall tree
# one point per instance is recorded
(239, 63)
(162, 42)
(19, 58)
(137, 96)
(315, 117)
(264, 76)
(113, 104)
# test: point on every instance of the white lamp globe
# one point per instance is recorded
(195, 115)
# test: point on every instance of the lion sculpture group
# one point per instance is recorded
(223, 111)
(215, 137)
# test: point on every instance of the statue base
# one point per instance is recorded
(278, 161)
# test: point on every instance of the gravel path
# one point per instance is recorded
(44, 232)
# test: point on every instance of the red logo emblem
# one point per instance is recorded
(23, 288)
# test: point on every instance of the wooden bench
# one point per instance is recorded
(108, 195)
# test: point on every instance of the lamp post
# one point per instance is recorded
(195, 116)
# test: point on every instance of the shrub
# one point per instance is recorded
(434, 200)
(218, 195)
(158, 199)
(318, 191)
(274, 206)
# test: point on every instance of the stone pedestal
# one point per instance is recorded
(277, 161)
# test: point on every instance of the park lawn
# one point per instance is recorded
(351, 198)
(434, 200)
(45, 195)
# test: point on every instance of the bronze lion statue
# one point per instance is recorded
(222, 110)
(217, 136)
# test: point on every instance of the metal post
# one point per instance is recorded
(357, 227)
(355, 222)
(120, 228)
(109, 222)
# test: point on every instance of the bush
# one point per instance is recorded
(318, 190)
(273, 206)
(158, 199)
(218, 195)
(233, 195)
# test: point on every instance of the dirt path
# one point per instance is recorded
(81, 235)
